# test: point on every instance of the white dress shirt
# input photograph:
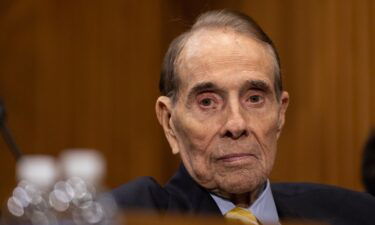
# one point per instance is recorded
(264, 208)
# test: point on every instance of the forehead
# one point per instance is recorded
(221, 55)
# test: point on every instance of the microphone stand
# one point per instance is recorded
(7, 136)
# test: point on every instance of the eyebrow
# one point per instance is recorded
(256, 85)
(249, 85)
(202, 87)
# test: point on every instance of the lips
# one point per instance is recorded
(235, 157)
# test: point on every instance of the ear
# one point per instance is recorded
(163, 110)
(284, 102)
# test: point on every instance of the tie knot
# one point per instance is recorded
(243, 215)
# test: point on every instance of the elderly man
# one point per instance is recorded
(222, 109)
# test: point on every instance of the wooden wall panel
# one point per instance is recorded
(328, 69)
(85, 74)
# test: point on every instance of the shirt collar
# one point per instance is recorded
(264, 208)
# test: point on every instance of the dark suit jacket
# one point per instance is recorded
(293, 200)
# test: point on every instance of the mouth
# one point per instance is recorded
(235, 157)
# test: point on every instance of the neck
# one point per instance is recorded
(243, 200)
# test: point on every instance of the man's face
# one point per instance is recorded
(226, 121)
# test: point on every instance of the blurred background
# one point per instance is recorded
(85, 74)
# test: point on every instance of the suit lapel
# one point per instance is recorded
(187, 196)
(282, 203)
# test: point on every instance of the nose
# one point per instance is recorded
(235, 126)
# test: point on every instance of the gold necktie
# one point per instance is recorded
(243, 215)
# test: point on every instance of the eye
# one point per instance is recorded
(255, 98)
(208, 101)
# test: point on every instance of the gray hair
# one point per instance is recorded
(238, 22)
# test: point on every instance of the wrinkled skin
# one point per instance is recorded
(226, 120)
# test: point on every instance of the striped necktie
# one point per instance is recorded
(243, 215)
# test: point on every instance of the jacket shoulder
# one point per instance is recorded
(292, 190)
(143, 193)
(323, 202)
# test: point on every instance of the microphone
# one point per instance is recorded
(7, 136)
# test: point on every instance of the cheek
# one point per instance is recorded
(194, 132)
(264, 128)
(265, 122)
(194, 138)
